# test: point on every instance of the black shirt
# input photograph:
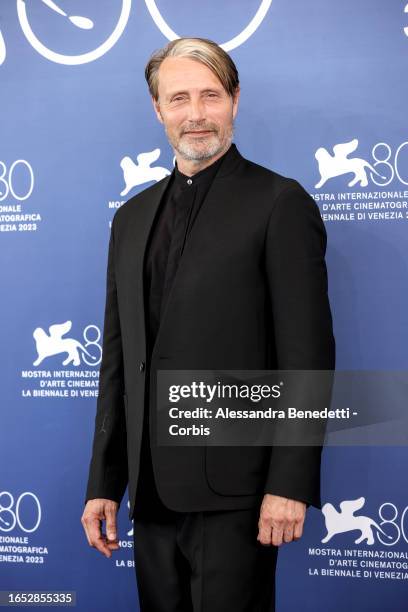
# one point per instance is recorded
(177, 212)
(172, 225)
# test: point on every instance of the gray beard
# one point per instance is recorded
(189, 152)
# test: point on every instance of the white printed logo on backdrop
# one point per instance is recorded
(16, 187)
(53, 11)
(139, 173)
(142, 171)
(377, 557)
(53, 343)
(345, 521)
(339, 163)
(58, 18)
(377, 182)
(79, 376)
(20, 519)
(234, 42)
(406, 27)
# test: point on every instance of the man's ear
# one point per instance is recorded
(156, 107)
(235, 101)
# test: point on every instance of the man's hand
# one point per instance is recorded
(280, 518)
(97, 510)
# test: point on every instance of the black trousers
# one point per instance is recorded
(203, 562)
(198, 561)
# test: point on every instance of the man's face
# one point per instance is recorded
(195, 109)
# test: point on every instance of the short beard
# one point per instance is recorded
(189, 152)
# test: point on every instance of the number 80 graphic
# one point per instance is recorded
(10, 512)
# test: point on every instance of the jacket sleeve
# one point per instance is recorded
(295, 247)
(108, 475)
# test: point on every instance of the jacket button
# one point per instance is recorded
(142, 366)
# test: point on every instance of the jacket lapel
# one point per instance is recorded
(135, 236)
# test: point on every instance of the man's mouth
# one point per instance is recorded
(199, 132)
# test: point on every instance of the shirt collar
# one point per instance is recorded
(206, 174)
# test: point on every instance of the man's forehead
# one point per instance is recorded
(185, 73)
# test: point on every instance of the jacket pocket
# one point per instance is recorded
(237, 470)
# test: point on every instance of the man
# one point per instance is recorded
(218, 266)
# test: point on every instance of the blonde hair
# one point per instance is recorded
(202, 50)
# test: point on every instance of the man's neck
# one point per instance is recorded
(190, 167)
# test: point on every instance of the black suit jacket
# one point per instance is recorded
(250, 292)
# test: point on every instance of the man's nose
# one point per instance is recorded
(196, 110)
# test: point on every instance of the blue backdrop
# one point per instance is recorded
(75, 113)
